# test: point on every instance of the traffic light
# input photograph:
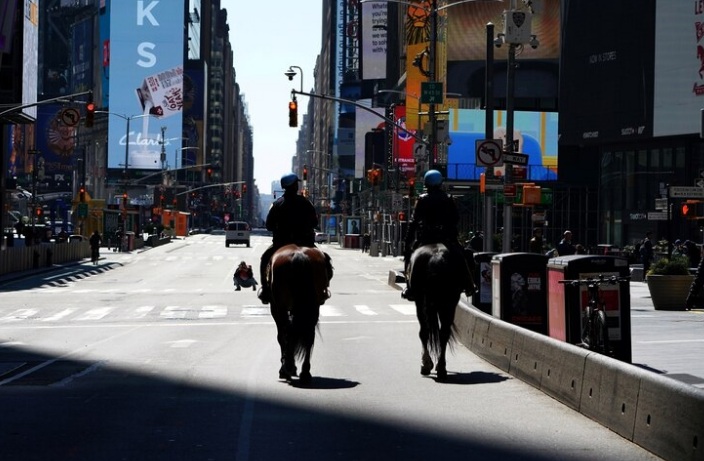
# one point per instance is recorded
(210, 173)
(305, 173)
(401, 216)
(374, 176)
(244, 189)
(39, 213)
(689, 209)
(412, 187)
(90, 113)
(293, 113)
(82, 194)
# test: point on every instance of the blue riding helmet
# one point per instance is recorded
(288, 180)
(432, 178)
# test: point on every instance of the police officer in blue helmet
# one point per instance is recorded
(435, 219)
(291, 219)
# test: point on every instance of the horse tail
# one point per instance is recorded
(305, 310)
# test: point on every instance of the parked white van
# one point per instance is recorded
(237, 232)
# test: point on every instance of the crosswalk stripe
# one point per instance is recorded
(405, 309)
(331, 311)
(212, 312)
(59, 315)
(142, 311)
(20, 314)
(96, 314)
(174, 312)
(365, 310)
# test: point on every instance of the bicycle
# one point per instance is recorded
(595, 331)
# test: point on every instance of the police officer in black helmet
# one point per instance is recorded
(435, 220)
(291, 219)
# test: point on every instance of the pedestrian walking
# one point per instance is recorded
(95, 241)
(646, 252)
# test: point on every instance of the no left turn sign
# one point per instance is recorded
(489, 152)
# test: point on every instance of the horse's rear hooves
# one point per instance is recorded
(305, 378)
(425, 371)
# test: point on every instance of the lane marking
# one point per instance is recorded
(405, 309)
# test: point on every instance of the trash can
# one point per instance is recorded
(566, 303)
(481, 299)
(519, 290)
(130, 240)
(352, 240)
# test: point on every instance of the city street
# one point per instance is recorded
(153, 355)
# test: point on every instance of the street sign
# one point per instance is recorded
(70, 117)
(657, 215)
(488, 152)
(516, 157)
(686, 192)
(431, 92)
(661, 204)
(419, 151)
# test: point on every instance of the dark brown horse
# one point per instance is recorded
(299, 278)
(436, 288)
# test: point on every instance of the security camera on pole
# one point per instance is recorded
(516, 34)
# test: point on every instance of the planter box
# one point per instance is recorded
(669, 292)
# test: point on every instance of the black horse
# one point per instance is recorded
(436, 288)
(298, 277)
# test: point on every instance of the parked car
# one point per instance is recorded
(321, 237)
(237, 232)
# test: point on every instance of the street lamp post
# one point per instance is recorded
(514, 36)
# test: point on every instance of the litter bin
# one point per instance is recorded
(519, 290)
(351, 240)
(130, 240)
(481, 299)
(566, 303)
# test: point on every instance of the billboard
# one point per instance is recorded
(146, 88)
(466, 30)
(373, 40)
(82, 56)
(30, 56)
(56, 143)
(536, 133)
(679, 68)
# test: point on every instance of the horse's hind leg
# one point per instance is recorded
(426, 363)
(446, 322)
(288, 364)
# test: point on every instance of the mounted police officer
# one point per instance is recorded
(435, 219)
(291, 219)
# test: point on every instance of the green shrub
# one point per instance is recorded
(677, 265)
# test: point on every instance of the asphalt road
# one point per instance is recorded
(152, 355)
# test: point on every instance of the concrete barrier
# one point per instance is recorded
(660, 414)
(610, 393)
(670, 418)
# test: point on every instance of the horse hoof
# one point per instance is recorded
(425, 371)
(441, 373)
(305, 377)
(284, 375)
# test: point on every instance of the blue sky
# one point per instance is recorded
(267, 37)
